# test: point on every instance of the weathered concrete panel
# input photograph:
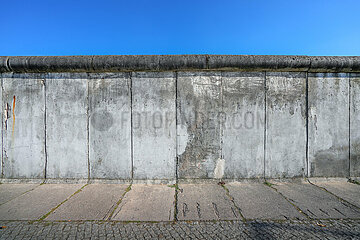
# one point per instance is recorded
(205, 202)
(329, 124)
(147, 203)
(286, 124)
(11, 191)
(199, 130)
(23, 125)
(315, 202)
(243, 129)
(355, 125)
(154, 125)
(67, 125)
(36, 203)
(110, 126)
(343, 189)
(94, 202)
(2, 117)
(258, 201)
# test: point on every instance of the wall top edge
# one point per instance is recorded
(127, 63)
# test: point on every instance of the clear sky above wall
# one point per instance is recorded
(79, 27)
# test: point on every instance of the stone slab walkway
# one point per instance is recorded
(297, 209)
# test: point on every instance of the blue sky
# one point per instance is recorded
(77, 27)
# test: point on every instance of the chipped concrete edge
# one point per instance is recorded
(124, 63)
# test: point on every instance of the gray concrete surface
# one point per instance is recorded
(348, 191)
(38, 202)
(11, 191)
(84, 125)
(147, 203)
(67, 125)
(354, 125)
(258, 201)
(110, 126)
(23, 101)
(285, 124)
(193, 202)
(199, 132)
(154, 125)
(315, 202)
(328, 124)
(243, 124)
(94, 202)
(205, 202)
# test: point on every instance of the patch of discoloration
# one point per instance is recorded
(219, 168)
(182, 139)
(329, 124)
(243, 128)
(23, 145)
(286, 124)
(110, 126)
(199, 105)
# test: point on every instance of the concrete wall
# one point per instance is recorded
(275, 122)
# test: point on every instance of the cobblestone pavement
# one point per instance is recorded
(329, 229)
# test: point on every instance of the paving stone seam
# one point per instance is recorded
(270, 185)
(346, 203)
(128, 189)
(227, 193)
(22, 193)
(52, 210)
(176, 186)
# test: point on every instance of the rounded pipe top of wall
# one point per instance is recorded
(124, 63)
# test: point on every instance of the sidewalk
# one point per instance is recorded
(241, 202)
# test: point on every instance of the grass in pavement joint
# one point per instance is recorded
(354, 181)
(222, 184)
(118, 202)
(52, 210)
(269, 184)
(296, 207)
(176, 186)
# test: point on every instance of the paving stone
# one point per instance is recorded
(11, 191)
(38, 202)
(94, 202)
(258, 201)
(339, 229)
(315, 202)
(205, 202)
(347, 191)
(147, 203)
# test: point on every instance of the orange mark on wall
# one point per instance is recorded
(13, 111)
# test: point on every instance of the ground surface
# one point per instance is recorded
(298, 209)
